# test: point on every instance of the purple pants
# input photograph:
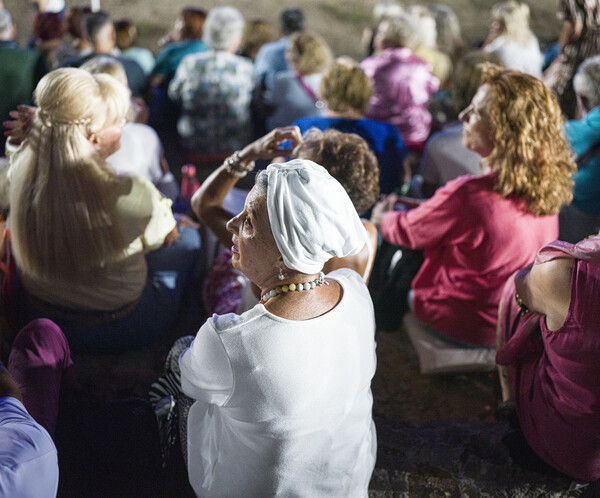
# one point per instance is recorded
(39, 361)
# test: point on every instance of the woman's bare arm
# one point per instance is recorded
(546, 289)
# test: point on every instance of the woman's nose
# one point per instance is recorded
(232, 224)
(464, 114)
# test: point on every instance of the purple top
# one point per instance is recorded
(555, 379)
(402, 85)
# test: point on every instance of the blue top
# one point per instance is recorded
(28, 461)
(172, 54)
(270, 60)
(384, 140)
(582, 135)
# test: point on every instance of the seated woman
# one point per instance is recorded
(512, 40)
(548, 348)
(295, 92)
(346, 157)
(214, 88)
(402, 82)
(477, 231)
(297, 420)
(581, 218)
(82, 235)
(346, 90)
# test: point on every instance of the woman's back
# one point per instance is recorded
(145, 217)
(473, 241)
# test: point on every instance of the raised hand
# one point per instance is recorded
(19, 128)
(269, 146)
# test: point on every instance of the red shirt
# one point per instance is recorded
(473, 241)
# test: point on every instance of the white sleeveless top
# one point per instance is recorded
(283, 407)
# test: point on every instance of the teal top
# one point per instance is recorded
(172, 54)
(582, 135)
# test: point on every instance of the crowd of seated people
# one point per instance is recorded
(99, 263)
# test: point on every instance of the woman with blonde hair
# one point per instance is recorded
(449, 36)
(477, 231)
(512, 40)
(425, 45)
(295, 92)
(80, 232)
(346, 90)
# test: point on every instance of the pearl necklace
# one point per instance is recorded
(282, 289)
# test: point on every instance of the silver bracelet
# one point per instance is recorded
(236, 167)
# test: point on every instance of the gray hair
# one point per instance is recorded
(587, 82)
(400, 31)
(6, 24)
(223, 28)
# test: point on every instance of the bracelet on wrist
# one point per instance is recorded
(236, 167)
(521, 304)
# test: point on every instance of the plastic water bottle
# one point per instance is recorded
(189, 184)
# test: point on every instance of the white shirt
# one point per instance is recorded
(283, 407)
(140, 153)
(528, 58)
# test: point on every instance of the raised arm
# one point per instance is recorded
(208, 200)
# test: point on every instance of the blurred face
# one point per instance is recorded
(478, 129)
(108, 140)
(254, 249)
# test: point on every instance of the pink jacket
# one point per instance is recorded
(402, 85)
(474, 240)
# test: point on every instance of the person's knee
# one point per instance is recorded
(42, 342)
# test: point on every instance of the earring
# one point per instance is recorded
(281, 276)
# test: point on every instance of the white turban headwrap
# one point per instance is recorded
(311, 216)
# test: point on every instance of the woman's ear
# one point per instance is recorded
(95, 140)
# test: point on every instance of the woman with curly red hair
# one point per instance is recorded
(477, 231)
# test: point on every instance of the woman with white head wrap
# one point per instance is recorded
(282, 392)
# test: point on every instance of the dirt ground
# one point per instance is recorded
(341, 22)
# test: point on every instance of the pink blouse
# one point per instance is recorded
(554, 377)
(473, 240)
(402, 85)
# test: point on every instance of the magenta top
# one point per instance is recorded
(473, 240)
(402, 85)
(555, 379)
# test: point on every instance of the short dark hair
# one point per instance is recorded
(292, 20)
(75, 17)
(93, 24)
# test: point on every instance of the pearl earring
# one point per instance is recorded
(281, 276)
